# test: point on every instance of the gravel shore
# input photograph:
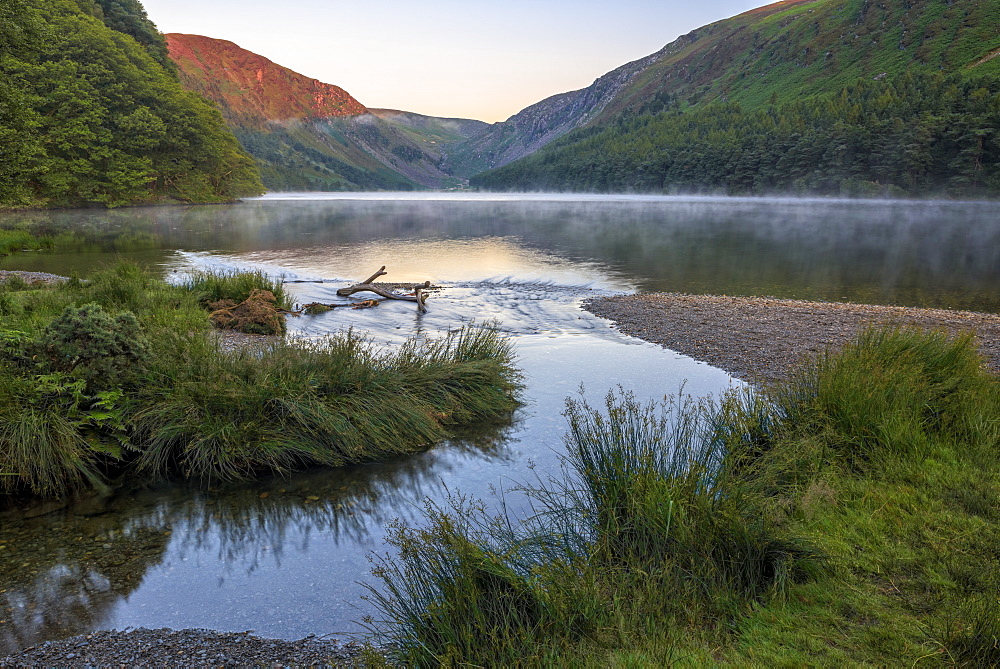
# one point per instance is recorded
(183, 648)
(760, 339)
(31, 278)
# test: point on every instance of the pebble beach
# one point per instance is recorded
(761, 339)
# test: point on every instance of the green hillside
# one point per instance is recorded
(318, 155)
(89, 116)
(802, 47)
(830, 96)
(348, 153)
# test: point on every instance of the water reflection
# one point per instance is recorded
(944, 254)
(65, 573)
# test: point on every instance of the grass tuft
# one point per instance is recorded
(645, 528)
(236, 286)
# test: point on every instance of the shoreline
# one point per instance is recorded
(760, 339)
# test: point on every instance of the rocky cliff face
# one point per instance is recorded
(250, 89)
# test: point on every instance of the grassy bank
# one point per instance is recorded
(12, 241)
(117, 375)
(849, 516)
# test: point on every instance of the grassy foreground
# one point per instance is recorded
(117, 375)
(848, 517)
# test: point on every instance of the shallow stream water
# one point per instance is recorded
(284, 557)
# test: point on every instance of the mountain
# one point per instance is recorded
(535, 126)
(829, 96)
(90, 116)
(309, 135)
(802, 47)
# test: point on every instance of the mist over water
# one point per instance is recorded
(928, 253)
(284, 556)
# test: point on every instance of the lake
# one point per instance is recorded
(284, 557)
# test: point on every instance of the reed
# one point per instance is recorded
(236, 286)
(646, 524)
(333, 402)
(894, 391)
(12, 241)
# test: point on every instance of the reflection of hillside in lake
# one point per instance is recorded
(89, 559)
(913, 253)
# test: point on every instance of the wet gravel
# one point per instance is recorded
(31, 278)
(183, 648)
(761, 339)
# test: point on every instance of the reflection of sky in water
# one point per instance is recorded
(417, 260)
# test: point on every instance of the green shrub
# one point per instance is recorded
(88, 343)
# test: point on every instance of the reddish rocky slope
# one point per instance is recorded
(250, 89)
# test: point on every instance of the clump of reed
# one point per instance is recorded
(894, 392)
(234, 287)
(332, 402)
(117, 374)
(864, 491)
(647, 523)
(12, 241)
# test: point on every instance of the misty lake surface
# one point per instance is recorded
(285, 556)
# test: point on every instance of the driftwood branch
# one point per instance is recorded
(368, 286)
(381, 272)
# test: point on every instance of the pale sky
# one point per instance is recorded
(483, 60)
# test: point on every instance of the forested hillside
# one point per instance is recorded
(914, 134)
(823, 96)
(89, 116)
